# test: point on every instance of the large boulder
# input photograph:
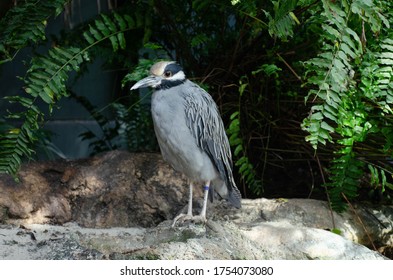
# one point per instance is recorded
(113, 189)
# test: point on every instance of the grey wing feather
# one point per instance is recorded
(206, 125)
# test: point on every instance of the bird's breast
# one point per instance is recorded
(178, 146)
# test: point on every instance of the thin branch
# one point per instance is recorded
(360, 221)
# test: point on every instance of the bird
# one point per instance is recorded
(191, 136)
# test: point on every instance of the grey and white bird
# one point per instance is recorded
(191, 135)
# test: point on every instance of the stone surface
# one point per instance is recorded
(113, 189)
(120, 205)
(367, 225)
(218, 240)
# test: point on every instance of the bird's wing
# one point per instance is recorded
(205, 123)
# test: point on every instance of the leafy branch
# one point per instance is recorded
(25, 24)
(46, 80)
(245, 167)
(350, 83)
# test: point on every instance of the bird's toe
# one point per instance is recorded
(185, 218)
(199, 219)
(182, 218)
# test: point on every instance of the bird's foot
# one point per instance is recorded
(183, 218)
(199, 219)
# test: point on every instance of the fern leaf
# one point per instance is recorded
(377, 76)
(332, 74)
(370, 13)
(110, 28)
(25, 24)
(46, 80)
(51, 87)
(246, 168)
(15, 142)
(48, 86)
(281, 25)
(341, 108)
(345, 176)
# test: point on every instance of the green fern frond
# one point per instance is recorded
(377, 76)
(47, 75)
(139, 72)
(110, 28)
(378, 178)
(25, 24)
(16, 142)
(281, 24)
(345, 178)
(245, 167)
(370, 13)
(341, 108)
(46, 80)
(331, 73)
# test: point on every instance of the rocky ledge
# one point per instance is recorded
(119, 205)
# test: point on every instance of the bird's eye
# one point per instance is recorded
(168, 74)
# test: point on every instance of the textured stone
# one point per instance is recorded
(113, 189)
(218, 240)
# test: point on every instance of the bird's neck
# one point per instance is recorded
(167, 84)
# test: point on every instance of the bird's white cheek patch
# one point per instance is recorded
(179, 76)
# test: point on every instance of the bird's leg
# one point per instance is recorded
(205, 196)
(187, 216)
(202, 216)
(189, 211)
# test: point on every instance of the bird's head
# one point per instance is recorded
(163, 74)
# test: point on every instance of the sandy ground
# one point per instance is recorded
(70, 241)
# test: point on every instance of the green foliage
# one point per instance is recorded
(378, 178)
(16, 142)
(131, 127)
(281, 25)
(236, 140)
(319, 71)
(140, 71)
(46, 81)
(110, 28)
(351, 82)
(25, 24)
(336, 231)
(47, 75)
(245, 167)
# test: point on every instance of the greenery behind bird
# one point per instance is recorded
(305, 87)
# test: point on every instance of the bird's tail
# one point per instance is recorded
(234, 195)
(231, 193)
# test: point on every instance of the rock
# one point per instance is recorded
(286, 241)
(113, 189)
(218, 240)
(367, 222)
(120, 205)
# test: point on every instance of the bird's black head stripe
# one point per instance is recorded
(165, 84)
(173, 67)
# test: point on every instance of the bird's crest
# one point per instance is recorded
(158, 69)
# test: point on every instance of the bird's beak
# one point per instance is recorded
(150, 81)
